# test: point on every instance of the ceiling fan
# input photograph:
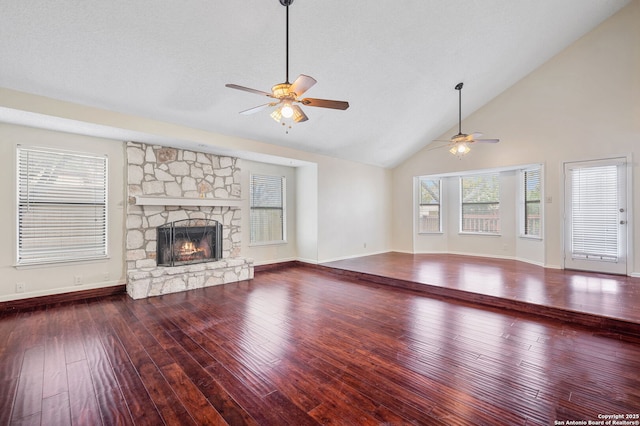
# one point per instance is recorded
(286, 96)
(460, 142)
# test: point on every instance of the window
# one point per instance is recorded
(532, 191)
(267, 215)
(62, 206)
(480, 203)
(429, 218)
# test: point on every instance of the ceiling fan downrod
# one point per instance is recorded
(287, 3)
(459, 89)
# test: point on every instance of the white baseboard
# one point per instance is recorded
(553, 266)
(400, 251)
(273, 261)
(491, 256)
(531, 262)
(354, 256)
(310, 261)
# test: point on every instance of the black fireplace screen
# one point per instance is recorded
(189, 241)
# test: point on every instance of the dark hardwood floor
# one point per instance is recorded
(298, 346)
(609, 302)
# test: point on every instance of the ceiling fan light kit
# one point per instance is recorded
(460, 149)
(286, 95)
(460, 142)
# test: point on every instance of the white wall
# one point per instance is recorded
(271, 253)
(46, 280)
(582, 104)
(354, 210)
(307, 212)
(337, 209)
(340, 205)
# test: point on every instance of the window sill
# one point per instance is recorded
(486, 234)
(268, 243)
(58, 263)
(530, 237)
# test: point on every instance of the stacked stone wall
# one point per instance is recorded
(157, 171)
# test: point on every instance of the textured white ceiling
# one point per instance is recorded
(395, 62)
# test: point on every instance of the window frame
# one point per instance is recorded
(282, 208)
(420, 204)
(524, 201)
(78, 201)
(462, 203)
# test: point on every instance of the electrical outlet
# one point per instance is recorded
(77, 280)
(20, 287)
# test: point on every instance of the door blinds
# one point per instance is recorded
(594, 209)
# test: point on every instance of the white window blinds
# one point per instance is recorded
(594, 206)
(532, 202)
(480, 203)
(62, 206)
(429, 218)
(267, 215)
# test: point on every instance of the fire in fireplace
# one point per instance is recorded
(189, 241)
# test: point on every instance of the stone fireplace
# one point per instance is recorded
(172, 189)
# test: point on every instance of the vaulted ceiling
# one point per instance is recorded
(395, 62)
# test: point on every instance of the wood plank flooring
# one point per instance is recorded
(609, 302)
(298, 346)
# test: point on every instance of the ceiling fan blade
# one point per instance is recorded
(443, 144)
(325, 103)
(248, 89)
(258, 108)
(302, 84)
(487, 140)
(298, 115)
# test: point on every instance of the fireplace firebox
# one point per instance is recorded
(189, 241)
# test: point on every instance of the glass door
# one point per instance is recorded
(596, 216)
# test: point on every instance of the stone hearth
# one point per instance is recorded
(147, 282)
